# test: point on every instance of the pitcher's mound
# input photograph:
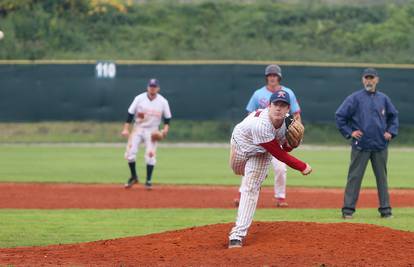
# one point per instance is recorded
(268, 243)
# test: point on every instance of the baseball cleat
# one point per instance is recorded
(131, 182)
(235, 243)
(281, 203)
(148, 185)
(347, 216)
(387, 216)
(236, 202)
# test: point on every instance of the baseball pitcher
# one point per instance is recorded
(261, 135)
(148, 109)
(260, 100)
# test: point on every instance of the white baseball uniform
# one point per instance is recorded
(260, 100)
(249, 158)
(153, 111)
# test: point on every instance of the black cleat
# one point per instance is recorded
(347, 216)
(131, 182)
(148, 185)
(387, 216)
(235, 243)
(236, 202)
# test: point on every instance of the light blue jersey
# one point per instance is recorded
(260, 99)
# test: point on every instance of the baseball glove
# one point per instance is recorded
(157, 136)
(295, 131)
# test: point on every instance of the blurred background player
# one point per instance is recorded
(254, 141)
(371, 120)
(260, 100)
(148, 109)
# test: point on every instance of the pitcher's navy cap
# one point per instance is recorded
(280, 95)
(153, 83)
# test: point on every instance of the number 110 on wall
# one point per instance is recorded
(105, 70)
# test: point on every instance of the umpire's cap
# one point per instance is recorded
(273, 69)
(370, 72)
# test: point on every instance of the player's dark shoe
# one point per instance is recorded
(235, 243)
(236, 202)
(131, 182)
(148, 185)
(347, 216)
(387, 216)
(281, 203)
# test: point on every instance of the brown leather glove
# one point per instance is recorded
(295, 132)
(157, 136)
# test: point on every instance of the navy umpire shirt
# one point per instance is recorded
(370, 112)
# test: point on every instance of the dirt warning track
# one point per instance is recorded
(98, 196)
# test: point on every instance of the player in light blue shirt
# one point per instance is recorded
(260, 100)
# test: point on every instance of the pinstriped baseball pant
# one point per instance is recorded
(280, 170)
(254, 170)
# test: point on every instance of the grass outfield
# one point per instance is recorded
(77, 164)
(43, 227)
(71, 164)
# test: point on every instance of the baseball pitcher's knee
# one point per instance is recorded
(238, 171)
(238, 167)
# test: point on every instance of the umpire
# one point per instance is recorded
(371, 120)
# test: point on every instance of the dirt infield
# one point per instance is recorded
(61, 196)
(268, 244)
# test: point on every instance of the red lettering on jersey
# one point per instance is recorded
(257, 113)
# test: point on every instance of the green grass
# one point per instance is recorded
(43, 227)
(91, 164)
(93, 131)
(179, 166)
(181, 131)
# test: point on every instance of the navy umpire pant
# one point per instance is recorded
(357, 167)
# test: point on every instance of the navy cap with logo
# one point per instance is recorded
(370, 72)
(280, 95)
(153, 83)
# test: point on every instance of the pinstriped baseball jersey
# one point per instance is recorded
(255, 129)
(260, 100)
(153, 110)
(250, 159)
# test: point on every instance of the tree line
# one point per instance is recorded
(115, 29)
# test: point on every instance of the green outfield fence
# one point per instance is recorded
(84, 90)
